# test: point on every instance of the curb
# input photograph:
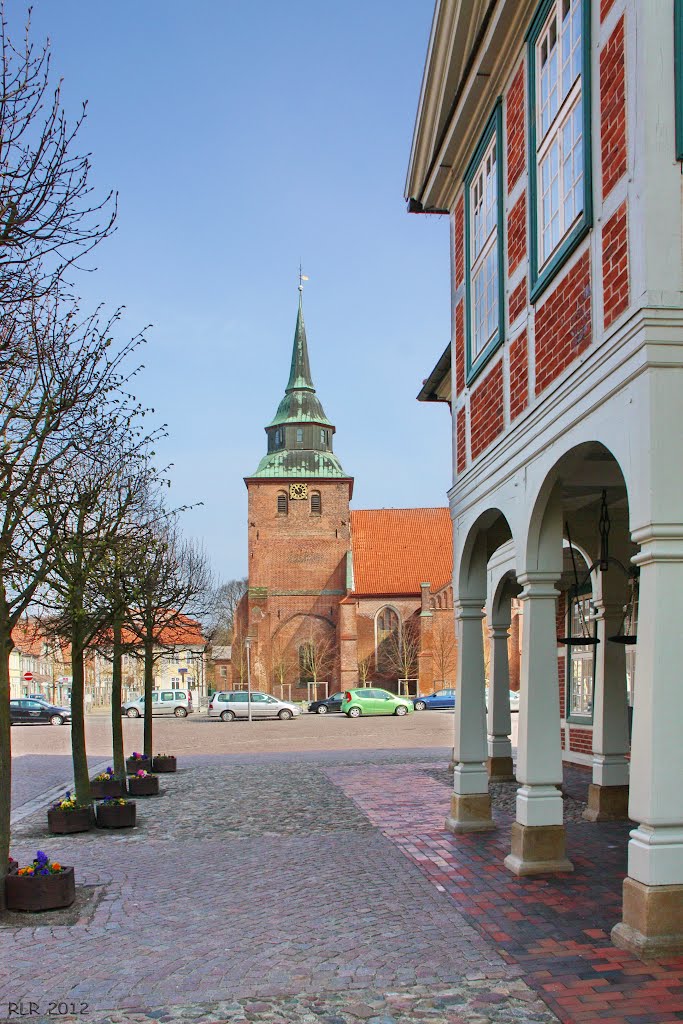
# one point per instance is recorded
(50, 795)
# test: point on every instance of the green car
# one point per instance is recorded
(368, 701)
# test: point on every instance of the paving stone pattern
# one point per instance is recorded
(254, 892)
(555, 927)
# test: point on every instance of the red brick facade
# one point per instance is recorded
(581, 741)
(458, 242)
(615, 283)
(613, 109)
(605, 6)
(518, 301)
(461, 440)
(486, 410)
(459, 348)
(516, 241)
(563, 324)
(516, 146)
(519, 375)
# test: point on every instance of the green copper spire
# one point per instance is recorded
(300, 372)
(300, 434)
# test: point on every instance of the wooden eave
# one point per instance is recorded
(472, 48)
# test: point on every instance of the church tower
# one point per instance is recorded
(299, 541)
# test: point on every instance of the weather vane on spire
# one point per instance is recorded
(302, 278)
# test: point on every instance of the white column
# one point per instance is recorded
(656, 792)
(610, 702)
(539, 753)
(470, 804)
(498, 718)
(538, 841)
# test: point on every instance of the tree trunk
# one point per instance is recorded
(78, 751)
(116, 717)
(5, 757)
(149, 687)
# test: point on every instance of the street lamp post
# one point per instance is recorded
(247, 644)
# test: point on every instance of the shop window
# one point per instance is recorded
(580, 661)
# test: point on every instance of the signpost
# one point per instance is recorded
(247, 644)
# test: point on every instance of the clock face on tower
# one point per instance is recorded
(298, 491)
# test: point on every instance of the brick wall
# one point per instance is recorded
(605, 6)
(519, 375)
(563, 324)
(461, 440)
(459, 348)
(613, 109)
(515, 116)
(615, 265)
(458, 241)
(486, 410)
(518, 300)
(516, 240)
(581, 740)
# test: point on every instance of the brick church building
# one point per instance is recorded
(337, 596)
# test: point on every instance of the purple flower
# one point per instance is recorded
(41, 858)
(68, 795)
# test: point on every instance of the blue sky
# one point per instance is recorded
(243, 138)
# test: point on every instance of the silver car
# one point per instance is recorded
(231, 704)
(164, 702)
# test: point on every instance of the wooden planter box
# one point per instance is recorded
(116, 815)
(113, 787)
(164, 764)
(13, 866)
(81, 819)
(40, 892)
(135, 766)
(148, 786)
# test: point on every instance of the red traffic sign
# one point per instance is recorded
(28, 677)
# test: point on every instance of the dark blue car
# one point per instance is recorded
(433, 701)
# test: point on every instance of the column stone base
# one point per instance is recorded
(500, 769)
(607, 803)
(470, 813)
(537, 850)
(653, 920)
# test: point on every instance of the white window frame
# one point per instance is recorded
(484, 251)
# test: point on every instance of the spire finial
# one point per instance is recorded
(302, 278)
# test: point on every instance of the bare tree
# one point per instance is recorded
(226, 598)
(281, 662)
(444, 647)
(365, 669)
(172, 582)
(318, 655)
(399, 651)
(62, 384)
(49, 218)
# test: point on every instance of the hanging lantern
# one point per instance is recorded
(627, 634)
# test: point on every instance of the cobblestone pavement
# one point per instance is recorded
(324, 890)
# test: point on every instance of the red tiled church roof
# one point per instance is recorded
(397, 549)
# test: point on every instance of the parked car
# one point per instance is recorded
(439, 699)
(333, 703)
(230, 704)
(164, 702)
(514, 699)
(24, 710)
(370, 701)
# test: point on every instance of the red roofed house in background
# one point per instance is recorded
(337, 597)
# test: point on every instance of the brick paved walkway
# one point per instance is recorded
(321, 891)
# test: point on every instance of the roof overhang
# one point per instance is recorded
(437, 386)
(471, 45)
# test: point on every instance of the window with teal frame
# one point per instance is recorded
(484, 293)
(678, 75)
(580, 675)
(560, 176)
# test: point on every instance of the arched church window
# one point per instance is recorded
(387, 625)
(282, 503)
(316, 503)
